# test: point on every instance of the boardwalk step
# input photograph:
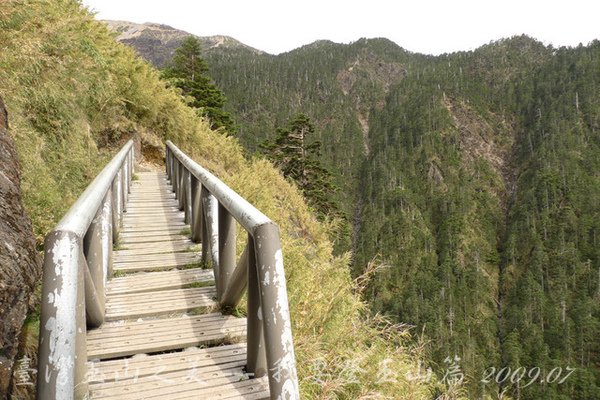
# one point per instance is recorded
(148, 348)
(148, 281)
(127, 338)
(176, 260)
(135, 305)
(141, 366)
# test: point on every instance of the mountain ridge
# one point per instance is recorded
(470, 175)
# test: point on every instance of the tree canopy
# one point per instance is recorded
(298, 159)
(189, 72)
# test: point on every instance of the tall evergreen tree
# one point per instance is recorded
(297, 158)
(189, 72)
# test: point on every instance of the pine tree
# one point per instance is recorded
(297, 158)
(189, 72)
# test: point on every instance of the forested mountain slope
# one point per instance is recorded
(474, 178)
(74, 96)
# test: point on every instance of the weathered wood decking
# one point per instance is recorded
(164, 337)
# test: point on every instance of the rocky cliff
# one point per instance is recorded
(20, 265)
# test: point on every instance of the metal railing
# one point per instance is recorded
(77, 263)
(211, 208)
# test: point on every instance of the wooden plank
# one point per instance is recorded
(147, 281)
(107, 371)
(191, 382)
(120, 329)
(120, 306)
(154, 238)
(125, 258)
(128, 338)
(151, 239)
(179, 260)
(159, 248)
(134, 246)
(221, 389)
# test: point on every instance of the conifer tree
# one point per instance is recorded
(297, 158)
(189, 72)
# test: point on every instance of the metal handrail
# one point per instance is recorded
(211, 208)
(77, 263)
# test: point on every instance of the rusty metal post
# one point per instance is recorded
(227, 257)
(59, 308)
(256, 356)
(281, 361)
(196, 210)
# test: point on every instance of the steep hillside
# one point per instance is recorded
(157, 43)
(75, 95)
(473, 177)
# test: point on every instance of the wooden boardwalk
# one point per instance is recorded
(164, 337)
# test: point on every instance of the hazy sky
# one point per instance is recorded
(426, 26)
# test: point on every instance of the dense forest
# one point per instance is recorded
(74, 96)
(473, 178)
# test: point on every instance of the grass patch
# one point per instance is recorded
(193, 249)
(135, 177)
(118, 273)
(190, 266)
(237, 311)
(187, 231)
(198, 284)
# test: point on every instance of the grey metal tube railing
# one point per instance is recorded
(77, 263)
(212, 207)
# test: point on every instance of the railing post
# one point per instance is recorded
(62, 299)
(168, 162)
(211, 222)
(227, 257)
(196, 210)
(238, 280)
(174, 174)
(131, 166)
(123, 176)
(116, 209)
(187, 196)
(95, 248)
(281, 361)
(256, 356)
(180, 186)
(108, 240)
(204, 193)
(81, 384)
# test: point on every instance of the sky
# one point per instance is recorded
(424, 26)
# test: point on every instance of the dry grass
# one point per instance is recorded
(75, 95)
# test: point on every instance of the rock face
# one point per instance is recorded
(157, 43)
(20, 265)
